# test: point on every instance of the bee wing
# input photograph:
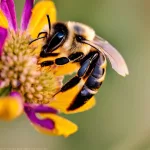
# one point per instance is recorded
(116, 60)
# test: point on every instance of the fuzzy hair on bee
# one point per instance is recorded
(72, 29)
(79, 44)
(77, 29)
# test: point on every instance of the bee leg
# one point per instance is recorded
(47, 63)
(58, 61)
(76, 57)
(85, 66)
(62, 61)
(71, 58)
(92, 84)
(42, 54)
(70, 84)
(82, 97)
(75, 80)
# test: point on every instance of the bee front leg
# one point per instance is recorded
(57, 61)
(63, 60)
(71, 58)
(47, 63)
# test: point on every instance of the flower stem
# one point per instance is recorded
(5, 91)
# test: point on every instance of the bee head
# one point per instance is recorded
(76, 33)
(56, 38)
(69, 36)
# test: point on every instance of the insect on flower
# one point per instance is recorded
(77, 44)
(24, 85)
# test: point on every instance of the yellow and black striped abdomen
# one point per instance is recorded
(94, 79)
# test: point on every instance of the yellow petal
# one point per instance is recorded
(10, 108)
(63, 101)
(3, 20)
(62, 126)
(38, 18)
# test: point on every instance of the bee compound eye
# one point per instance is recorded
(57, 40)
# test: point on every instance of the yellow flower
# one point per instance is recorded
(24, 86)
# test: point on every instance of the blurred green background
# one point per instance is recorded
(121, 118)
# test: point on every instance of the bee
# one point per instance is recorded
(80, 44)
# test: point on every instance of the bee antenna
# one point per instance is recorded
(36, 40)
(49, 23)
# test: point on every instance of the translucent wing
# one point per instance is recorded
(116, 60)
